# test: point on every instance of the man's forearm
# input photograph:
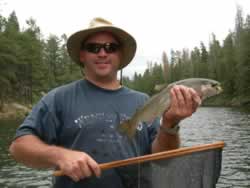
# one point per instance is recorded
(165, 142)
(33, 152)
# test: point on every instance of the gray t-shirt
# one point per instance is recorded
(84, 117)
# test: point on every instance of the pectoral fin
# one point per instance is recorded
(128, 128)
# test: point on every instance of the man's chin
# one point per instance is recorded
(104, 73)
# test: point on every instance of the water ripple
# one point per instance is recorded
(223, 124)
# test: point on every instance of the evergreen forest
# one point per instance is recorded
(31, 65)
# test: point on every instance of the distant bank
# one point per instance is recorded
(228, 101)
(14, 111)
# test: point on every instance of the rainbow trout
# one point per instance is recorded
(160, 102)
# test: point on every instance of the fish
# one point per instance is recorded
(161, 101)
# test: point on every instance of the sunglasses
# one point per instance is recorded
(96, 47)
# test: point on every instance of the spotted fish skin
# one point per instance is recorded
(160, 102)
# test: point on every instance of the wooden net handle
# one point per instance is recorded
(155, 156)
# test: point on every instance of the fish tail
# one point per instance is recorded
(128, 128)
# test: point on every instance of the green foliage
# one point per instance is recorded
(31, 66)
(228, 63)
(12, 26)
(152, 76)
(215, 70)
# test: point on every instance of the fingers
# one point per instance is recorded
(195, 97)
(73, 172)
(188, 102)
(184, 102)
(94, 167)
(173, 96)
(180, 100)
(80, 166)
(186, 95)
(87, 168)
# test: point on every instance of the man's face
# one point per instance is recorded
(103, 62)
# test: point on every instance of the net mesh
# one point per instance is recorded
(196, 170)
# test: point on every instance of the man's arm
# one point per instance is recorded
(165, 141)
(184, 102)
(33, 152)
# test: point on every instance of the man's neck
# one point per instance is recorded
(106, 84)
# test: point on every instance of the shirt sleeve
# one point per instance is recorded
(42, 122)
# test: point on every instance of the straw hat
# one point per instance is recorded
(128, 42)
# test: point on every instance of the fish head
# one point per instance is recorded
(204, 87)
(209, 88)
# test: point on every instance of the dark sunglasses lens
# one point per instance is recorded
(96, 47)
(111, 47)
(93, 47)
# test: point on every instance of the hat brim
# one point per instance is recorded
(127, 41)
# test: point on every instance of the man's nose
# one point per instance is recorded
(102, 52)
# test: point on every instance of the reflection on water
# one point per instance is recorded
(13, 174)
(231, 126)
(207, 125)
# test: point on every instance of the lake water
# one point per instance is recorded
(207, 125)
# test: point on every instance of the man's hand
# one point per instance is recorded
(184, 102)
(77, 165)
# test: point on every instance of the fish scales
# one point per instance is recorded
(160, 102)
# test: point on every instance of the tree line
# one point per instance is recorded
(31, 65)
(228, 63)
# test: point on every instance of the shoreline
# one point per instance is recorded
(228, 101)
(14, 110)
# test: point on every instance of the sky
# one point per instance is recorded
(157, 25)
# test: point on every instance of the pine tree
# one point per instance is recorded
(165, 64)
(228, 60)
(215, 66)
(52, 60)
(196, 62)
(204, 62)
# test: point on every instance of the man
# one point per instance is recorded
(73, 128)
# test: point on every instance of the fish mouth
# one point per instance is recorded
(218, 88)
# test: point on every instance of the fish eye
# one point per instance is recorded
(214, 84)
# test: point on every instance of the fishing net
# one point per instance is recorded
(188, 167)
(198, 169)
